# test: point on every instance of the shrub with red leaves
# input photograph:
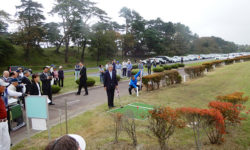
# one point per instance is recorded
(162, 123)
(211, 120)
(230, 112)
(213, 125)
(193, 118)
(235, 98)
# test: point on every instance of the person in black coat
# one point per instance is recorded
(110, 84)
(25, 80)
(83, 80)
(46, 78)
(35, 88)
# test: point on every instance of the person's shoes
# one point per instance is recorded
(114, 106)
(51, 103)
(77, 93)
(85, 94)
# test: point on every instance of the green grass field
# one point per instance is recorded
(136, 110)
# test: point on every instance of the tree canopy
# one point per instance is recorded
(87, 27)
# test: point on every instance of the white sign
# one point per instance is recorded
(39, 124)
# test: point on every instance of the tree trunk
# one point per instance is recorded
(163, 145)
(83, 50)
(66, 50)
(27, 52)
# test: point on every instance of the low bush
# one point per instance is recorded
(118, 78)
(134, 71)
(167, 67)
(213, 125)
(158, 69)
(208, 66)
(229, 61)
(172, 77)
(90, 81)
(230, 112)
(134, 66)
(193, 119)
(181, 65)
(195, 71)
(210, 120)
(162, 123)
(218, 63)
(168, 76)
(55, 89)
(235, 98)
(175, 66)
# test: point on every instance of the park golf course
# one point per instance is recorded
(97, 125)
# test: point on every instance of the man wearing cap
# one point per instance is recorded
(12, 92)
(4, 130)
(110, 84)
(26, 81)
(46, 78)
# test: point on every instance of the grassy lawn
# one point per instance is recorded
(70, 84)
(96, 126)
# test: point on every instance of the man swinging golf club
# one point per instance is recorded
(133, 84)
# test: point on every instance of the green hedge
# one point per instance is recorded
(158, 69)
(167, 67)
(174, 66)
(90, 82)
(181, 65)
(135, 71)
(134, 66)
(118, 78)
(55, 89)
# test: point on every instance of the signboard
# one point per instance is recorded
(37, 110)
(36, 107)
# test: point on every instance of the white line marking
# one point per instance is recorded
(140, 106)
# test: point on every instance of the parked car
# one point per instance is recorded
(15, 68)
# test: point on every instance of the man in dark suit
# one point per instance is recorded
(46, 78)
(83, 80)
(110, 84)
(25, 80)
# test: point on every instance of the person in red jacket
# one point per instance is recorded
(4, 130)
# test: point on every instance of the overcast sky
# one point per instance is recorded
(228, 19)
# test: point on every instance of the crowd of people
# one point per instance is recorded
(15, 86)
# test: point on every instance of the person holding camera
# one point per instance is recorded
(46, 78)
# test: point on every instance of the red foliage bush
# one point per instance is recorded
(162, 123)
(213, 125)
(235, 98)
(229, 111)
(211, 120)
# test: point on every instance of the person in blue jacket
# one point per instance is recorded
(133, 83)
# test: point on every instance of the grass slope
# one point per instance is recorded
(96, 126)
(47, 56)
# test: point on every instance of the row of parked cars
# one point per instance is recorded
(176, 59)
